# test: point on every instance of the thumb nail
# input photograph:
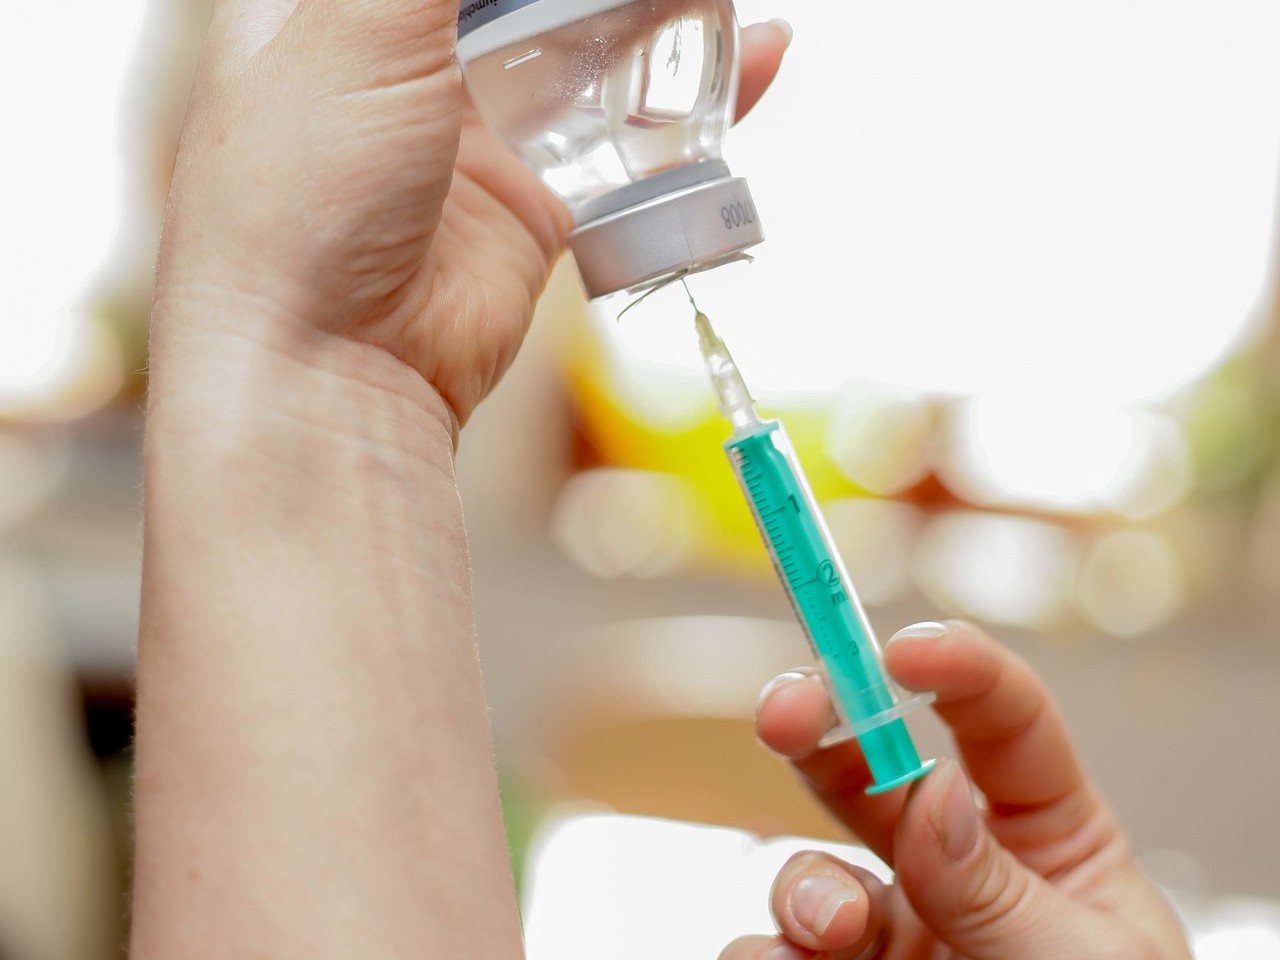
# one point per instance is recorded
(816, 900)
(785, 28)
(955, 814)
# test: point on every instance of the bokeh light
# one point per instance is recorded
(1111, 244)
(880, 436)
(593, 874)
(1240, 928)
(1226, 432)
(1066, 456)
(1131, 582)
(65, 368)
(63, 197)
(1011, 199)
(998, 568)
(618, 522)
(877, 539)
(701, 666)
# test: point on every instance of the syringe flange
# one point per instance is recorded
(848, 731)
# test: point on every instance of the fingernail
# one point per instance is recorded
(955, 814)
(929, 630)
(780, 681)
(784, 951)
(786, 28)
(815, 901)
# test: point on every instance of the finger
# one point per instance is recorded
(1012, 738)
(484, 158)
(763, 45)
(764, 948)
(793, 714)
(975, 895)
(822, 903)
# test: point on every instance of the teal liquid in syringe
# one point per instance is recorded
(868, 705)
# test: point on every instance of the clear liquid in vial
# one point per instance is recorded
(621, 95)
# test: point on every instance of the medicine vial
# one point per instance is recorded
(621, 107)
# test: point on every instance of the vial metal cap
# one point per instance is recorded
(681, 231)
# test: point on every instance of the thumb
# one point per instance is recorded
(975, 895)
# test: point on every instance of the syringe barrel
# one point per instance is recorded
(868, 704)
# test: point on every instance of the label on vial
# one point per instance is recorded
(737, 214)
(473, 14)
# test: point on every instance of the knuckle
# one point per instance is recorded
(1002, 900)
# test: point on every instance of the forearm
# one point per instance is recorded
(314, 769)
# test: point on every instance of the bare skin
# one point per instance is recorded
(349, 264)
(1044, 871)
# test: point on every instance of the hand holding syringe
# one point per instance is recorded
(869, 706)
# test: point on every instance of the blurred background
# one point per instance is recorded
(1018, 309)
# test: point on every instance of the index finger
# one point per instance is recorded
(763, 45)
(1011, 735)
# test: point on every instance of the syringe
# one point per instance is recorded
(869, 706)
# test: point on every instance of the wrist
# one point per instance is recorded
(211, 376)
(263, 428)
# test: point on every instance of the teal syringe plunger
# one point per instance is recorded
(869, 705)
